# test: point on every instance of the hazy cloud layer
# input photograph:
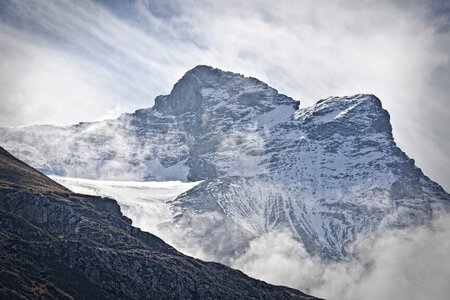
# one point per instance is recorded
(403, 264)
(96, 59)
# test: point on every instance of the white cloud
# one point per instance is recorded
(41, 85)
(402, 264)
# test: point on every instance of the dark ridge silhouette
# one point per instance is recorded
(56, 244)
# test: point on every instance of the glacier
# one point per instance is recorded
(147, 204)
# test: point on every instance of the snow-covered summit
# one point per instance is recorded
(326, 173)
(205, 88)
(363, 108)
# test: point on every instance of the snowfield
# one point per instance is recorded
(145, 203)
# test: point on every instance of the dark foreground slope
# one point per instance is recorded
(56, 244)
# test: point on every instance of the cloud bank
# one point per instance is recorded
(99, 58)
(403, 264)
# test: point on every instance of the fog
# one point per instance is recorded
(400, 264)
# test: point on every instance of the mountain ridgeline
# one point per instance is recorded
(56, 244)
(326, 173)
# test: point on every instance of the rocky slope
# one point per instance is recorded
(326, 173)
(59, 245)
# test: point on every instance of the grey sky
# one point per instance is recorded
(68, 61)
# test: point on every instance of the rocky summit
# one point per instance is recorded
(326, 173)
(56, 244)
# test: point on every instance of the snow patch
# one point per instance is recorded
(145, 203)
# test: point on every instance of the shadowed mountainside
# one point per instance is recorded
(56, 244)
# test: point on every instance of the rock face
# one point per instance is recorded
(326, 173)
(177, 139)
(59, 245)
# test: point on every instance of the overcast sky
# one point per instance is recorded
(62, 62)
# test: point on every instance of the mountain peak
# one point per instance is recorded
(205, 86)
(201, 69)
(361, 112)
(327, 172)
